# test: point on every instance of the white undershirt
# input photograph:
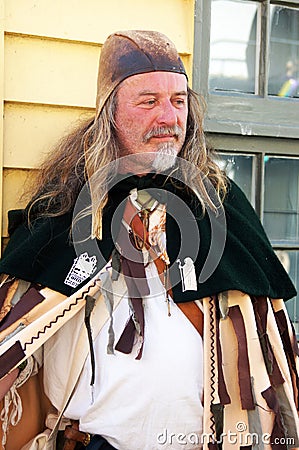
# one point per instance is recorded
(151, 403)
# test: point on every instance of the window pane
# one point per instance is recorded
(233, 45)
(290, 261)
(281, 203)
(240, 169)
(284, 52)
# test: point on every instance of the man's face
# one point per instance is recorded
(151, 118)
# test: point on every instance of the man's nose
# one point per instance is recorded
(167, 114)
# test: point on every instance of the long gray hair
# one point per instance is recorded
(86, 152)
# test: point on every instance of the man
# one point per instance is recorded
(184, 338)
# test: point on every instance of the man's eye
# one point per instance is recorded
(180, 101)
(150, 102)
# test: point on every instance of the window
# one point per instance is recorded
(280, 199)
(284, 52)
(233, 48)
(246, 62)
(281, 217)
(241, 169)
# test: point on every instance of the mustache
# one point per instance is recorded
(176, 131)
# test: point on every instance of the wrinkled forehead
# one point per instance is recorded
(156, 84)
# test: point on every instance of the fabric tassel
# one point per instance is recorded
(254, 425)
(3, 295)
(287, 415)
(260, 308)
(11, 400)
(139, 317)
(223, 304)
(135, 278)
(255, 429)
(282, 324)
(30, 299)
(107, 291)
(294, 340)
(132, 262)
(134, 325)
(217, 411)
(213, 446)
(126, 340)
(89, 305)
(116, 265)
(22, 287)
(278, 433)
(12, 410)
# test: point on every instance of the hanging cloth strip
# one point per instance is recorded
(133, 273)
(260, 308)
(288, 346)
(236, 317)
(132, 264)
(278, 435)
(131, 246)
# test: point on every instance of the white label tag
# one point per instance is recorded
(82, 268)
(188, 275)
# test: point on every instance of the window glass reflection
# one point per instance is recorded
(284, 52)
(240, 169)
(290, 261)
(281, 201)
(233, 46)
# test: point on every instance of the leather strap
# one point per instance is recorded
(194, 314)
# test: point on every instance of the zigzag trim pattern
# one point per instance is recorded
(48, 326)
(213, 362)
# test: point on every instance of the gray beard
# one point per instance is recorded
(165, 157)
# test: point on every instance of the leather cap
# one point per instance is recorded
(127, 53)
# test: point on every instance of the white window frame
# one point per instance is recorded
(244, 114)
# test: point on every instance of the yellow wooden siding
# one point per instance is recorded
(1, 105)
(14, 181)
(94, 20)
(46, 71)
(32, 130)
(39, 70)
(51, 51)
